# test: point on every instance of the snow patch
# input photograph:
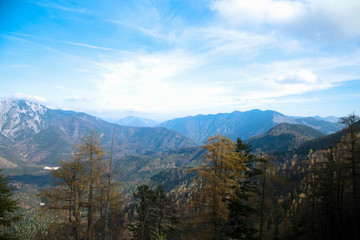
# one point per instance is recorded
(51, 168)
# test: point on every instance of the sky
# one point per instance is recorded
(165, 59)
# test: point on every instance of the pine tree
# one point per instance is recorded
(238, 225)
(8, 207)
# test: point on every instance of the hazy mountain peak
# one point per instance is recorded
(136, 122)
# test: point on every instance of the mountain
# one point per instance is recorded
(19, 118)
(32, 134)
(331, 119)
(136, 122)
(240, 124)
(324, 142)
(283, 137)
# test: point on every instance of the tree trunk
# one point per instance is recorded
(90, 196)
(262, 206)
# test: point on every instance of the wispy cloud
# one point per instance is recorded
(59, 7)
(80, 99)
(90, 46)
(155, 33)
(13, 34)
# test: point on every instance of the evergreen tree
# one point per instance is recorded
(240, 210)
(156, 214)
(8, 206)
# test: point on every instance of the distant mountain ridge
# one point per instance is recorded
(240, 124)
(332, 119)
(132, 121)
(33, 134)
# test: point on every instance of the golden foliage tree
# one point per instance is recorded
(79, 198)
(218, 178)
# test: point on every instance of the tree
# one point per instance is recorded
(81, 192)
(218, 176)
(351, 123)
(156, 214)
(92, 154)
(238, 225)
(8, 206)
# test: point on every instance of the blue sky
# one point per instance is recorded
(165, 59)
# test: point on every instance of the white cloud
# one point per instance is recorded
(154, 82)
(258, 11)
(315, 18)
(215, 78)
(301, 77)
(32, 98)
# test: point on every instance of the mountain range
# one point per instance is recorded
(33, 135)
(241, 124)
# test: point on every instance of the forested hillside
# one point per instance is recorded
(283, 137)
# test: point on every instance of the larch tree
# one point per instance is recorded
(78, 196)
(93, 156)
(67, 197)
(218, 176)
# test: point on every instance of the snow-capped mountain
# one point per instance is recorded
(19, 118)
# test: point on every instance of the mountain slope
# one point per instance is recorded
(240, 124)
(139, 167)
(39, 135)
(283, 137)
